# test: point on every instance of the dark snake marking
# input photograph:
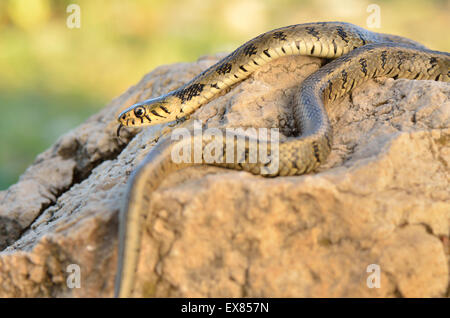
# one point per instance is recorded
(363, 63)
(342, 34)
(189, 92)
(344, 78)
(165, 109)
(224, 68)
(279, 35)
(313, 32)
(250, 50)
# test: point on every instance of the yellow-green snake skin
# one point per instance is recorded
(358, 55)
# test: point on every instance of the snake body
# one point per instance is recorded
(358, 55)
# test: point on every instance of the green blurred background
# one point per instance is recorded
(52, 77)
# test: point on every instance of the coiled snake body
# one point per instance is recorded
(358, 55)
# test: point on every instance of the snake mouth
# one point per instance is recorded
(118, 130)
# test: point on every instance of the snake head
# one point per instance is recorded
(149, 112)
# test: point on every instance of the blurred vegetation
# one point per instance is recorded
(52, 77)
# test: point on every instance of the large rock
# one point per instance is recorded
(383, 198)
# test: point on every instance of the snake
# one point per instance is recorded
(354, 54)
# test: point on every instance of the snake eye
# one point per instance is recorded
(139, 112)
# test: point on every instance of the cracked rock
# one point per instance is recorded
(381, 201)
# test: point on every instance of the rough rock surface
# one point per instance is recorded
(383, 197)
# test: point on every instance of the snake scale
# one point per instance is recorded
(357, 55)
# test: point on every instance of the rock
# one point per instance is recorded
(382, 198)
